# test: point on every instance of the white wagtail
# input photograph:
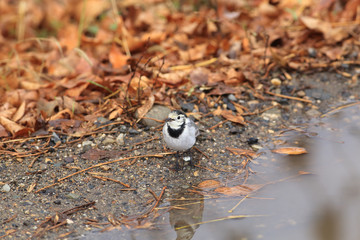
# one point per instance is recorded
(179, 131)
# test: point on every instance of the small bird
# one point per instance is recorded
(179, 131)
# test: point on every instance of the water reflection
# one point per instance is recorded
(187, 212)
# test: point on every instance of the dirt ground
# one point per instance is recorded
(143, 182)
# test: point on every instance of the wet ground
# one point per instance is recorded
(321, 204)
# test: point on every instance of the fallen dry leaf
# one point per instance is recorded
(332, 34)
(209, 184)
(245, 152)
(227, 114)
(144, 109)
(290, 150)
(117, 58)
(20, 112)
(238, 190)
(11, 126)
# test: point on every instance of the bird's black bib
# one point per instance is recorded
(175, 133)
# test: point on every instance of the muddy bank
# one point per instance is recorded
(124, 193)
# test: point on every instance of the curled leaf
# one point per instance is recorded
(209, 184)
(290, 150)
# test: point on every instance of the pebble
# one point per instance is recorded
(252, 140)
(88, 143)
(229, 105)
(73, 196)
(6, 188)
(69, 160)
(272, 114)
(158, 112)
(256, 147)
(133, 131)
(301, 93)
(187, 107)
(55, 138)
(313, 113)
(43, 166)
(276, 82)
(232, 97)
(120, 139)
(108, 140)
(101, 121)
(123, 129)
(299, 105)
(312, 52)
(57, 201)
(69, 221)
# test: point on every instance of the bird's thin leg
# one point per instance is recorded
(177, 164)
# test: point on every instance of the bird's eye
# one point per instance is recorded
(178, 117)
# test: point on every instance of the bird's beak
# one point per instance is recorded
(168, 119)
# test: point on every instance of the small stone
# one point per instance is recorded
(313, 113)
(102, 137)
(101, 121)
(312, 52)
(133, 131)
(55, 138)
(276, 82)
(229, 105)
(120, 139)
(301, 93)
(88, 143)
(187, 107)
(108, 140)
(69, 221)
(57, 202)
(299, 105)
(252, 140)
(157, 112)
(272, 114)
(69, 160)
(73, 196)
(123, 129)
(43, 166)
(232, 97)
(256, 147)
(27, 223)
(217, 119)
(6, 188)
(236, 130)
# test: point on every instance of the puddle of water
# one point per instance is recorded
(322, 205)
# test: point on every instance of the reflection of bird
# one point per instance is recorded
(179, 131)
(186, 213)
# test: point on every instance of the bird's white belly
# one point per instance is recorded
(182, 143)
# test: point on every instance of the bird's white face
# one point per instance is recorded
(175, 120)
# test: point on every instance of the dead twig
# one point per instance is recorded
(201, 152)
(145, 141)
(9, 219)
(289, 97)
(110, 179)
(218, 124)
(339, 108)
